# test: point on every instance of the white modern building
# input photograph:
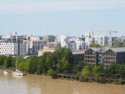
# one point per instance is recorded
(8, 48)
(80, 45)
(63, 40)
(102, 40)
(13, 44)
(89, 38)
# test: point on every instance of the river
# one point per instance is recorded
(38, 84)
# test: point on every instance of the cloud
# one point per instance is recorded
(60, 5)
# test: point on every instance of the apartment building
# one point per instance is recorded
(91, 56)
(13, 44)
(102, 40)
(35, 43)
(114, 56)
(105, 56)
(89, 38)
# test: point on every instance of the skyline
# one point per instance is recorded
(62, 17)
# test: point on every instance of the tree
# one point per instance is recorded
(64, 60)
(31, 63)
(98, 73)
(23, 66)
(87, 73)
(50, 72)
(63, 66)
(78, 67)
(20, 59)
(2, 59)
(8, 62)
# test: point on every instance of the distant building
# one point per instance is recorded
(34, 44)
(49, 38)
(13, 44)
(0, 37)
(80, 45)
(123, 40)
(8, 48)
(71, 45)
(89, 38)
(63, 40)
(116, 41)
(102, 40)
(49, 47)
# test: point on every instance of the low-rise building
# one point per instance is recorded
(105, 56)
(114, 56)
(94, 56)
(49, 47)
(91, 56)
(78, 56)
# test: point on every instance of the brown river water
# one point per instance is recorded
(37, 84)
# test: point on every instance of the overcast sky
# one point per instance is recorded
(62, 17)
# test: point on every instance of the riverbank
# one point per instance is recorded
(103, 80)
(77, 78)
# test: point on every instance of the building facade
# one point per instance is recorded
(114, 56)
(35, 43)
(13, 44)
(91, 56)
(89, 38)
(102, 40)
(49, 47)
(78, 56)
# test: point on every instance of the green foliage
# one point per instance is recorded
(19, 59)
(23, 66)
(116, 70)
(2, 59)
(8, 62)
(64, 60)
(98, 73)
(95, 45)
(79, 66)
(117, 46)
(31, 61)
(50, 72)
(86, 72)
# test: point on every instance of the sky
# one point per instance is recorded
(62, 17)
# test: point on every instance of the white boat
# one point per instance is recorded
(5, 72)
(17, 72)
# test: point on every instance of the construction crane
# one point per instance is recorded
(110, 36)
